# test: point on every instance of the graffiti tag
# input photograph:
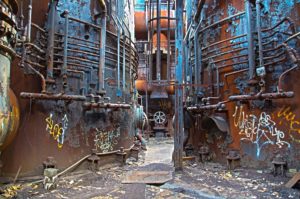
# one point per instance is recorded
(57, 130)
(164, 104)
(285, 114)
(261, 130)
(106, 140)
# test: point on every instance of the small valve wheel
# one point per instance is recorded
(160, 117)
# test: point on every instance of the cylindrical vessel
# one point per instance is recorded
(9, 110)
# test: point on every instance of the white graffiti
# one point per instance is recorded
(57, 130)
(106, 140)
(260, 131)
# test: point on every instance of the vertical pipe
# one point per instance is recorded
(118, 50)
(101, 69)
(146, 14)
(124, 61)
(50, 47)
(196, 52)
(150, 41)
(169, 47)
(251, 57)
(118, 62)
(258, 26)
(186, 60)
(147, 101)
(190, 22)
(158, 31)
(22, 18)
(29, 21)
(65, 64)
(178, 137)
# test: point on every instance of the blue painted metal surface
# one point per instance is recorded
(178, 136)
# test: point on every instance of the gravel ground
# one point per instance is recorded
(196, 180)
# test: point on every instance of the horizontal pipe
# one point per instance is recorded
(261, 96)
(155, 18)
(225, 40)
(220, 105)
(91, 105)
(221, 21)
(41, 96)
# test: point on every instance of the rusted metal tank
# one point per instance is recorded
(72, 98)
(245, 55)
(9, 109)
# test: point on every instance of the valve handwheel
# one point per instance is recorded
(160, 117)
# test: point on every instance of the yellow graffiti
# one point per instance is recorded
(164, 104)
(285, 114)
(57, 131)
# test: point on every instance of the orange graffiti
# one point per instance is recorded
(285, 114)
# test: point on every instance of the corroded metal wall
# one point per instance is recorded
(245, 55)
(64, 111)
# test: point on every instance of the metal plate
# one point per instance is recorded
(148, 177)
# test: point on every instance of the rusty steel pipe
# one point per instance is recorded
(222, 21)
(259, 36)
(199, 8)
(260, 96)
(288, 19)
(222, 41)
(251, 54)
(292, 53)
(158, 31)
(65, 14)
(220, 105)
(101, 68)
(91, 105)
(51, 38)
(43, 80)
(41, 96)
(282, 75)
(169, 47)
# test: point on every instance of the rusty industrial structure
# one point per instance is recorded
(84, 83)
